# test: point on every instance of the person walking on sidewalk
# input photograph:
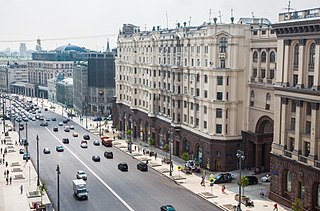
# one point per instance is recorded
(1, 150)
(6, 164)
(275, 207)
(155, 155)
(223, 188)
(5, 173)
(21, 189)
(7, 180)
(10, 180)
(202, 180)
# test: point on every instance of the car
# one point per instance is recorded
(252, 180)
(65, 121)
(142, 166)
(53, 119)
(96, 142)
(55, 129)
(75, 134)
(22, 150)
(266, 178)
(123, 166)
(45, 109)
(167, 208)
(96, 158)
(71, 127)
(39, 111)
(34, 119)
(65, 140)
(81, 175)
(59, 148)
(86, 137)
(108, 154)
(48, 119)
(66, 129)
(21, 127)
(60, 124)
(223, 178)
(84, 144)
(26, 156)
(46, 151)
(44, 123)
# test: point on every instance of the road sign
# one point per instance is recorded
(211, 181)
(179, 168)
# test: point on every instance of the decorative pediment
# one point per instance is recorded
(222, 33)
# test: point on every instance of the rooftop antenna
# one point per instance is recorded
(220, 16)
(252, 14)
(167, 19)
(210, 15)
(232, 18)
(289, 8)
(189, 20)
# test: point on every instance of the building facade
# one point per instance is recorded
(295, 162)
(189, 82)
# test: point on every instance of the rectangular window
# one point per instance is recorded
(219, 80)
(185, 104)
(301, 190)
(206, 78)
(191, 106)
(185, 118)
(295, 80)
(222, 63)
(205, 94)
(306, 148)
(205, 109)
(205, 124)
(292, 143)
(263, 73)
(293, 124)
(293, 106)
(218, 113)
(308, 127)
(310, 81)
(308, 110)
(254, 74)
(198, 92)
(272, 74)
(197, 107)
(197, 122)
(218, 128)
(219, 95)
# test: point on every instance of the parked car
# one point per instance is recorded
(46, 151)
(65, 121)
(223, 178)
(22, 150)
(108, 154)
(97, 118)
(167, 208)
(60, 148)
(55, 129)
(96, 142)
(26, 156)
(252, 180)
(123, 166)
(191, 164)
(65, 140)
(96, 158)
(75, 134)
(53, 119)
(45, 109)
(86, 137)
(142, 166)
(81, 175)
(266, 178)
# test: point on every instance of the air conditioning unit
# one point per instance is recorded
(222, 55)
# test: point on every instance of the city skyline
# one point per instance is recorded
(89, 25)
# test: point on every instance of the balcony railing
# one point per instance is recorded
(287, 153)
(303, 159)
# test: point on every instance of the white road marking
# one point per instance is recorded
(99, 178)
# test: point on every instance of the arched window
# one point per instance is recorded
(296, 56)
(288, 181)
(272, 57)
(223, 45)
(255, 56)
(312, 52)
(268, 99)
(252, 95)
(263, 56)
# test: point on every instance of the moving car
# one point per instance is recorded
(266, 178)
(55, 129)
(59, 148)
(60, 124)
(53, 119)
(80, 189)
(107, 142)
(223, 178)
(65, 140)
(96, 158)
(142, 166)
(96, 142)
(123, 166)
(167, 208)
(75, 134)
(44, 123)
(81, 175)
(71, 127)
(84, 144)
(66, 129)
(86, 137)
(252, 180)
(46, 151)
(65, 121)
(108, 154)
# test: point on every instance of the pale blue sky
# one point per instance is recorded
(55, 19)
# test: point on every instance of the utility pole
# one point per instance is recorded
(58, 174)
(171, 140)
(38, 162)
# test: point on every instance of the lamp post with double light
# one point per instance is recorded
(241, 157)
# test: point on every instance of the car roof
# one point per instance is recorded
(80, 171)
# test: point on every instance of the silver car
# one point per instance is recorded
(81, 175)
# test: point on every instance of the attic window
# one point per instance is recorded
(255, 32)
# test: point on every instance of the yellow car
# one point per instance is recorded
(74, 134)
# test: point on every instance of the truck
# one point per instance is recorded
(80, 189)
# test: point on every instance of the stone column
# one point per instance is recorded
(267, 64)
(283, 120)
(314, 130)
(298, 128)
(301, 67)
(316, 84)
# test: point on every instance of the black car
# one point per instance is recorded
(53, 119)
(223, 178)
(252, 180)
(142, 166)
(96, 142)
(46, 151)
(65, 121)
(167, 208)
(96, 158)
(86, 137)
(123, 166)
(55, 129)
(65, 140)
(108, 154)
(45, 109)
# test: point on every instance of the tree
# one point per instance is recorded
(42, 189)
(297, 205)
(166, 148)
(244, 181)
(151, 142)
(185, 156)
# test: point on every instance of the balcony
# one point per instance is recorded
(303, 159)
(287, 153)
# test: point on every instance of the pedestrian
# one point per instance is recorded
(4, 141)
(10, 180)
(144, 152)
(275, 207)
(261, 193)
(3, 155)
(5, 173)
(1, 150)
(135, 148)
(6, 164)
(223, 188)
(7, 180)
(1, 141)
(155, 155)
(202, 180)
(147, 162)
(21, 189)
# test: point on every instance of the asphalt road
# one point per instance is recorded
(109, 188)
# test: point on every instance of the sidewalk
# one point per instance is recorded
(226, 201)
(22, 173)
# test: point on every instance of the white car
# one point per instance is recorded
(81, 175)
(266, 178)
(84, 144)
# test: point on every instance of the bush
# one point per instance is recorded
(297, 205)
(185, 156)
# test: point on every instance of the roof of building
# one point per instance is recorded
(70, 47)
(66, 81)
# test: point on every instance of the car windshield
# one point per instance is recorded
(83, 190)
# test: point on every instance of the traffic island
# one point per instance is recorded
(207, 195)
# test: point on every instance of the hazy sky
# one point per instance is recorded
(92, 21)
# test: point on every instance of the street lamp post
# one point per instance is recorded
(170, 151)
(241, 157)
(38, 162)
(58, 185)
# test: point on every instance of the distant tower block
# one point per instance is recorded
(108, 47)
(38, 46)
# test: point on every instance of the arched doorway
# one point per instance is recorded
(198, 154)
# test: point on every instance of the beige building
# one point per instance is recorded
(295, 162)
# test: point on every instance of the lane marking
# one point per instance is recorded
(99, 178)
